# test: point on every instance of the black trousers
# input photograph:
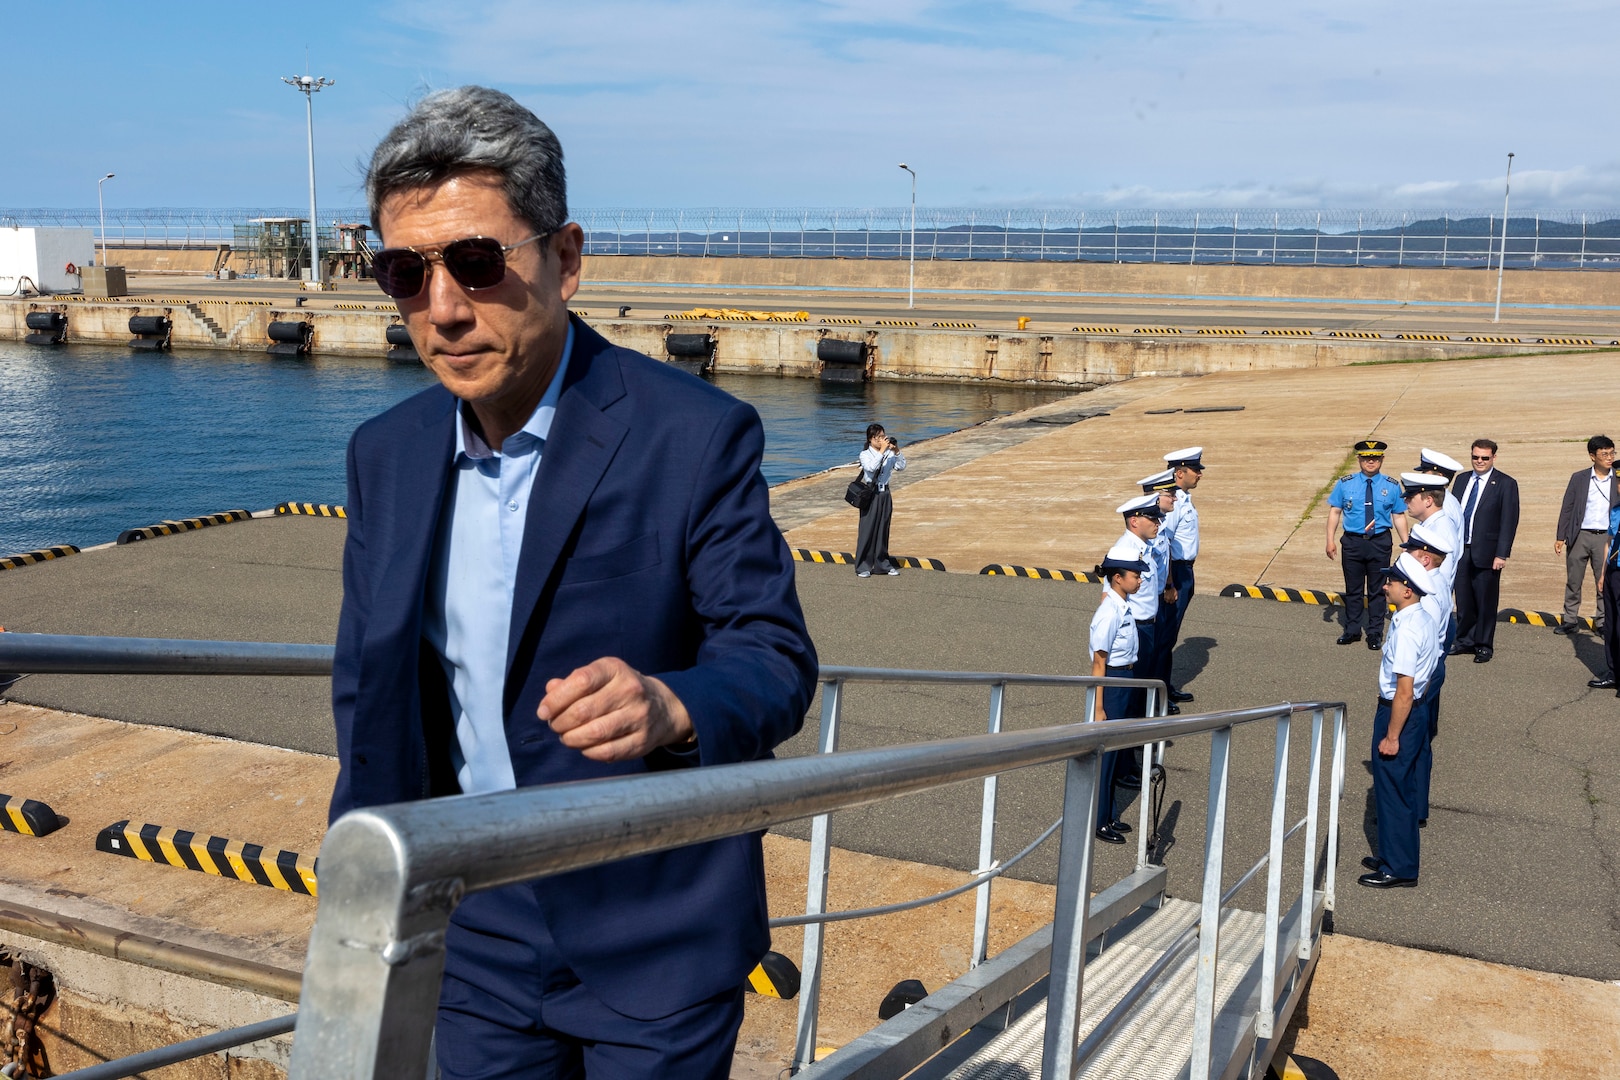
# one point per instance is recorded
(1364, 558)
(1479, 591)
(872, 534)
(1611, 625)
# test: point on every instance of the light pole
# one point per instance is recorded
(911, 289)
(101, 207)
(1501, 259)
(309, 87)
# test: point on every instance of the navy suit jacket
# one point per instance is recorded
(649, 538)
(1496, 518)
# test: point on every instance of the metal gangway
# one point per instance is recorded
(1124, 981)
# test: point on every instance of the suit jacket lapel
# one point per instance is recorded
(421, 470)
(582, 443)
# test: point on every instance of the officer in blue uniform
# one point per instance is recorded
(1401, 726)
(1369, 506)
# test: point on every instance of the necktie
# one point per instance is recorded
(1468, 512)
(1367, 507)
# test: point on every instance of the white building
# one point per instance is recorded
(43, 260)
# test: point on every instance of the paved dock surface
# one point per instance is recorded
(1521, 853)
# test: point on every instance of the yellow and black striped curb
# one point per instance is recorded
(1004, 570)
(840, 320)
(896, 322)
(1493, 339)
(1095, 330)
(27, 816)
(1539, 618)
(1229, 331)
(1422, 337)
(1273, 332)
(56, 551)
(285, 870)
(775, 976)
(169, 528)
(684, 317)
(842, 558)
(1286, 596)
(1157, 330)
(1359, 335)
(1565, 341)
(955, 326)
(312, 509)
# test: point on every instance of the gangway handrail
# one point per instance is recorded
(74, 654)
(393, 874)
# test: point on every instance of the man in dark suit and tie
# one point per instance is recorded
(1490, 515)
(560, 566)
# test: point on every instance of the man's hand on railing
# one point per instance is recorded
(608, 711)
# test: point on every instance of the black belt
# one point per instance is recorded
(1182, 562)
(1371, 535)
(1146, 622)
(1600, 532)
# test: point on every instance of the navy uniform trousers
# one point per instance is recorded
(1364, 558)
(1397, 789)
(1117, 702)
(1149, 659)
(510, 1007)
(1181, 576)
(1437, 682)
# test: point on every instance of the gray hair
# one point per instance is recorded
(473, 127)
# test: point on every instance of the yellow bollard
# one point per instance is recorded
(1023, 322)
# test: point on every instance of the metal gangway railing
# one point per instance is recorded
(392, 875)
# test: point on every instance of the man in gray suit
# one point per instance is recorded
(1583, 525)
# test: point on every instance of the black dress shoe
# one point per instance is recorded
(1108, 836)
(1172, 709)
(1349, 637)
(1130, 782)
(1423, 823)
(1381, 880)
(1179, 695)
(1375, 642)
(1372, 862)
(1564, 628)
(1604, 683)
(1482, 655)
(1459, 649)
(1119, 826)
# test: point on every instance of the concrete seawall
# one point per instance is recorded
(1166, 280)
(1064, 359)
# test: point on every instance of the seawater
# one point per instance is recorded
(95, 439)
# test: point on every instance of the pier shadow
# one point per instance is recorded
(1192, 657)
(1369, 814)
(1165, 838)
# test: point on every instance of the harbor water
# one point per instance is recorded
(95, 440)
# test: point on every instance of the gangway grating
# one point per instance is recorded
(1154, 1042)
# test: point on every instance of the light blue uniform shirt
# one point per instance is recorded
(468, 608)
(1182, 525)
(1350, 495)
(1113, 630)
(1411, 647)
(1144, 602)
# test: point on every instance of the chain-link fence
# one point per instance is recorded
(1563, 239)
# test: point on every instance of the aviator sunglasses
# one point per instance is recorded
(476, 262)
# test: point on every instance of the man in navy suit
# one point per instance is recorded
(560, 566)
(1490, 516)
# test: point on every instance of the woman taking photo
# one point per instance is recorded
(879, 461)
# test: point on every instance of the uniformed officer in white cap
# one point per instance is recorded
(1369, 505)
(1139, 542)
(1163, 485)
(1181, 527)
(1430, 547)
(1400, 726)
(1433, 461)
(1114, 649)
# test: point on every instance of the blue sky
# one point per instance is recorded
(1059, 103)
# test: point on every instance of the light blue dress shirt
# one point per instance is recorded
(468, 608)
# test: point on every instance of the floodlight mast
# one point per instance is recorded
(911, 287)
(1501, 258)
(309, 86)
(102, 209)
